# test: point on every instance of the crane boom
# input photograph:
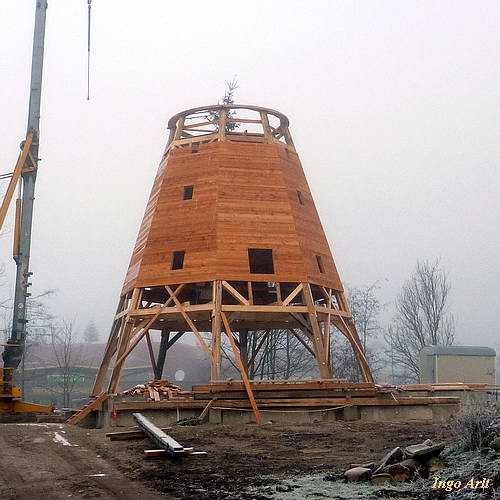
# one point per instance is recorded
(14, 349)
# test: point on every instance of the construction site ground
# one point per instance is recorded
(271, 461)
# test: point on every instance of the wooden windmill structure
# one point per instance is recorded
(230, 241)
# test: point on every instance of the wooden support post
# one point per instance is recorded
(151, 352)
(250, 293)
(216, 331)
(190, 323)
(162, 353)
(319, 348)
(206, 410)
(222, 124)
(108, 356)
(243, 346)
(294, 293)
(124, 337)
(244, 375)
(352, 335)
(265, 126)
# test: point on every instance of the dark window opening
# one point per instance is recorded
(320, 264)
(195, 147)
(188, 192)
(261, 260)
(177, 260)
(300, 198)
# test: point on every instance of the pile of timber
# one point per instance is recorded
(433, 388)
(158, 390)
(308, 394)
(299, 394)
(400, 464)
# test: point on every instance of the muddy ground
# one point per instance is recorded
(271, 461)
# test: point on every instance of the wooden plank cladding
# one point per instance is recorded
(244, 195)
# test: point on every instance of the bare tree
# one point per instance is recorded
(422, 317)
(38, 328)
(68, 354)
(365, 308)
(272, 355)
(91, 334)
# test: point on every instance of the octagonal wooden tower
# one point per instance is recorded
(230, 241)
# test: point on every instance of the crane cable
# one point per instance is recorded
(89, 2)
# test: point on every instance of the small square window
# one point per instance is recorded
(319, 260)
(300, 197)
(261, 260)
(188, 192)
(178, 259)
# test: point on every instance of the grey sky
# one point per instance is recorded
(394, 109)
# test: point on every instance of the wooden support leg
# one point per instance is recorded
(241, 368)
(319, 348)
(352, 335)
(117, 370)
(109, 352)
(108, 356)
(243, 339)
(151, 352)
(124, 337)
(162, 354)
(216, 332)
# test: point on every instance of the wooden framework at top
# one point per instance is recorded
(224, 308)
(204, 125)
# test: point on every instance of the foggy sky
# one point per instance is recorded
(394, 110)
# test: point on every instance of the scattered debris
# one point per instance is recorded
(400, 464)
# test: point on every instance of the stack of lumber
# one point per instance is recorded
(157, 390)
(308, 394)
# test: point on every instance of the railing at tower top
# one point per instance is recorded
(235, 122)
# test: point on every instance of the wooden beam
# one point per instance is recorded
(293, 294)
(352, 336)
(319, 347)
(250, 292)
(136, 334)
(16, 175)
(109, 352)
(261, 308)
(191, 325)
(151, 353)
(237, 295)
(205, 411)
(244, 375)
(89, 407)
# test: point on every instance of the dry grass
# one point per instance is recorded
(470, 427)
